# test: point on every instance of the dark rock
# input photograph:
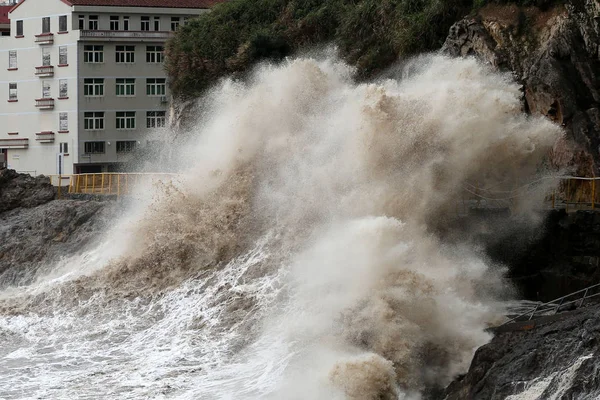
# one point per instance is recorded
(23, 190)
(555, 360)
(555, 53)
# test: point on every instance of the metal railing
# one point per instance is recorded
(107, 183)
(569, 192)
(565, 303)
(92, 34)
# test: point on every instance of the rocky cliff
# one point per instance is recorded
(554, 50)
(36, 230)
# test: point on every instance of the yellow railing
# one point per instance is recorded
(106, 183)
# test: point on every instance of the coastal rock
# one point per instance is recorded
(23, 190)
(554, 51)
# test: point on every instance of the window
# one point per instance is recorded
(63, 91)
(126, 146)
(126, 120)
(12, 59)
(46, 25)
(125, 54)
(93, 54)
(93, 22)
(145, 24)
(93, 87)
(156, 86)
(46, 57)
(174, 23)
(93, 121)
(20, 28)
(93, 147)
(46, 89)
(62, 56)
(154, 54)
(62, 23)
(81, 22)
(125, 87)
(64, 148)
(114, 22)
(63, 123)
(157, 23)
(125, 23)
(155, 119)
(12, 91)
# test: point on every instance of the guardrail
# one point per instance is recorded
(566, 303)
(570, 193)
(107, 183)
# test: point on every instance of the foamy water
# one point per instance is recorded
(294, 258)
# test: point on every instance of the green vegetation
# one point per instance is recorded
(370, 34)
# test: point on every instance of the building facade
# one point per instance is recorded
(85, 85)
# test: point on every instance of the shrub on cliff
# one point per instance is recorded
(371, 34)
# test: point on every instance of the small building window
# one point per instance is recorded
(156, 86)
(12, 91)
(20, 28)
(174, 23)
(81, 22)
(63, 122)
(93, 147)
(62, 23)
(12, 59)
(93, 121)
(155, 119)
(63, 89)
(93, 22)
(126, 120)
(46, 89)
(62, 55)
(46, 25)
(125, 23)
(93, 87)
(157, 23)
(64, 148)
(125, 87)
(46, 57)
(155, 54)
(125, 54)
(126, 146)
(145, 24)
(93, 54)
(114, 22)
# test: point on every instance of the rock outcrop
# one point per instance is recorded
(36, 230)
(23, 190)
(555, 52)
(557, 360)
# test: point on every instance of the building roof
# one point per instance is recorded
(140, 3)
(4, 14)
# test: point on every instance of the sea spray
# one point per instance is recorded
(296, 255)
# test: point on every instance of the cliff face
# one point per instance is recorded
(555, 53)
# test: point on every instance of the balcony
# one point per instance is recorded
(164, 99)
(45, 104)
(14, 143)
(45, 137)
(45, 71)
(125, 35)
(44, 38)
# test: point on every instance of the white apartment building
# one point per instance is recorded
(84, 84)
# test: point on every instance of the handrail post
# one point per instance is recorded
(533, 312)
(584, 296)
(593, 192)
(94, 183)
(102, 184)
(567, 199)
(109, 183)
(86, 183)
(118, 185)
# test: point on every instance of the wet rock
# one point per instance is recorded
(555, 53)
(554, 360)
(23, 190)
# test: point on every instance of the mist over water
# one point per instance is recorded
(295, 256)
